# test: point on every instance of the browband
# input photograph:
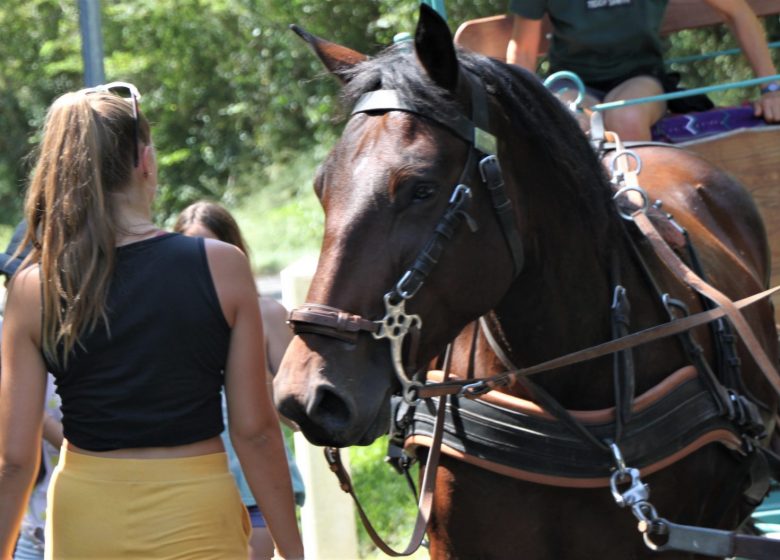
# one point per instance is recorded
(391, 100)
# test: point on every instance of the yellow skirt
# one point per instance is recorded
(186, 508)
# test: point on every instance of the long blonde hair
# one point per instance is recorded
(86, 154)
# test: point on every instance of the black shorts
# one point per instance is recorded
(669, 82)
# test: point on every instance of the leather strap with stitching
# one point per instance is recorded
(323, 319)
(425, 505)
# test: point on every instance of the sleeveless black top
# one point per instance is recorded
(154, 378)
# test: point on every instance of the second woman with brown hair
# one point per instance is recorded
(212, 221)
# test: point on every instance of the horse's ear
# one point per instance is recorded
(337, 59)
(435, 49)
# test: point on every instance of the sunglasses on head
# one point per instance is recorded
(124, 90)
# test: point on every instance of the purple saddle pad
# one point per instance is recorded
(691, 126)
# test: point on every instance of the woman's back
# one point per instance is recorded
(153, 377)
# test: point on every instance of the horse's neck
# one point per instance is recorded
(556, 311)
(546, 315)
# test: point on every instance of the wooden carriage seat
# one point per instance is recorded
(729, 137)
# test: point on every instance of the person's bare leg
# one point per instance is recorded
(634, 122)
(261, 545)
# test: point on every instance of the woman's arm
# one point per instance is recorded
(252, 421)
(277, 333)
(22, 394)
(52, 430)
(752, 38)
(523, 46)
(277, 337)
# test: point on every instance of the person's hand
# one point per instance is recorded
(768, 105)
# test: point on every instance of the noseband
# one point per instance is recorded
(397, 323)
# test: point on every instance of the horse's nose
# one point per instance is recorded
(328, 408)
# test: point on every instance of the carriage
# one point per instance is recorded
(556, 403)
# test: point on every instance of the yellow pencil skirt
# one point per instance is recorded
(186, 508)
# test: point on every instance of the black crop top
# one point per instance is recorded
(156, 380)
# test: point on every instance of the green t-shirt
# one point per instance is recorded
(601, 40)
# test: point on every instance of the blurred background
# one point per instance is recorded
(242, 112)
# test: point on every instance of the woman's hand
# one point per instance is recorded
(768, 105)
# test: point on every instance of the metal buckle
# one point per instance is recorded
(645, 201)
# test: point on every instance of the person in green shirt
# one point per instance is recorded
(614, 46)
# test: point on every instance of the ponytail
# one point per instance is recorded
(85, 156)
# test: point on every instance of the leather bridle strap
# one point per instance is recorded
(693, 280)
(475, 388)
(326, 320)
(425, 504)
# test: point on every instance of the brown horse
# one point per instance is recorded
(384, 189)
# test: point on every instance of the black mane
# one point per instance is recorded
(551, 133)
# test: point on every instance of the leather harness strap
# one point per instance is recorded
(527, 440)
(475, 388)
(629, 178)
(693, 280)
(425, 504)
(323, 319)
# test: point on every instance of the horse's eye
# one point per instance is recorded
(424, 190)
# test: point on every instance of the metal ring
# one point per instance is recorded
(627, 153)
(642, 193)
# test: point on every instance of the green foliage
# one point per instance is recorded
(284, 222)
(236, 100)
(41, 57)
(721, 69)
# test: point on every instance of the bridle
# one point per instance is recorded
(397, 324)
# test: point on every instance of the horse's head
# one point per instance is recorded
(399, 230)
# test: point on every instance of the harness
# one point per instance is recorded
(611, 448)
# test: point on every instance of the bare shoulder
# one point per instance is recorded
(23, 304)
(223, 255)
(272, 309)
(232, 277)
(25, 286)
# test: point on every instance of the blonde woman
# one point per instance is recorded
(136, 326)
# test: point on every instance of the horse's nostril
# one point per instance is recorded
(329, 409)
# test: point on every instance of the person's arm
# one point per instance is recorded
(523, 46)
(22, 394)
(277, 333)
(52, 430)
(277, 337)
(752, 39)
(252, 420)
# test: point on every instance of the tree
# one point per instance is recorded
(229, 89)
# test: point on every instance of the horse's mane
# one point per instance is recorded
(552, 134)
